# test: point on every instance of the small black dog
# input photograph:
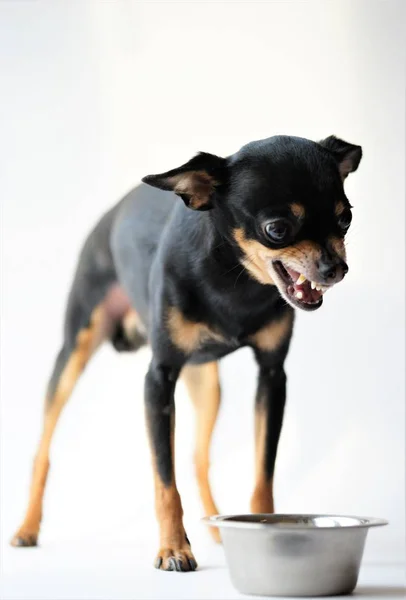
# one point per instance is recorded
(265, 236)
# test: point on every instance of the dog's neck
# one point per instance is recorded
(216, 242)
(221, 261)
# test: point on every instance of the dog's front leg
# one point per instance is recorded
(271, 346)
(174, 553)
(269, 409)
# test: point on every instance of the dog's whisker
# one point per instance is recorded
(251, 259)
(232, 269)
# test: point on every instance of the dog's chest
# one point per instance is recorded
(212, 349)
(202, 342)
(198, 339)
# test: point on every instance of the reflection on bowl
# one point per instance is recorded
(294, 555)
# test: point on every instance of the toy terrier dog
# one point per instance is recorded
(217, 258)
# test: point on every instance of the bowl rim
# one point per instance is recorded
(233, 522)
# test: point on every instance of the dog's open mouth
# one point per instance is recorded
(301, 292)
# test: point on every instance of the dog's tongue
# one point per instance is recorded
(302, 291)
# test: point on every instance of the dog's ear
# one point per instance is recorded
(195, 181)
(348, 156)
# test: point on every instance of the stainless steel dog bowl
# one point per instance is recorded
(293, 555)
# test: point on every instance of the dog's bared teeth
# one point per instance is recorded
(313, 285)
(299, 295)
(301, 279)
(318, 288)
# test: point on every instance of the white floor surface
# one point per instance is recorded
(111, 571)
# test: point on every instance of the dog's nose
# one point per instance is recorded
(332, 271)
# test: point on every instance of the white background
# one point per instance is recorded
(94, 96)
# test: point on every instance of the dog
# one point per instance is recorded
(198, 262)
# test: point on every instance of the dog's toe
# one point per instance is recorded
(169, 559)
(192, 563)
(23, 539)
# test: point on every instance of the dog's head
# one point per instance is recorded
(281, 203)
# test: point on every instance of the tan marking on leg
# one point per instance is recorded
(203, 385)
(262, 498)
(133, 325)
(169, 513)
(271, 336)
(298, 210)
(188, 335)
(87, 342)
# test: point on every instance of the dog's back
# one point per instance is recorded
(117, 257)
(135, 234)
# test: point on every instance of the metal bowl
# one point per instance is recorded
(293, 555)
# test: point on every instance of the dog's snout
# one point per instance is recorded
(328, 271)
(332, 270)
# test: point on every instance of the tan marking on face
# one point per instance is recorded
(198, 185)
(255, 257)
(262, 498)
(300, 257)
(298, 210)
(189, 335)
(271, 336)
(300, 254)
(339, 208)
(338, 246)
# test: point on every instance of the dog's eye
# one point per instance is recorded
(279, 230)
(344, 221)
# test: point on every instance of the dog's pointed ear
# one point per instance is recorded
(348, 156)
(195, 181)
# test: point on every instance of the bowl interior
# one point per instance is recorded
(293, 521)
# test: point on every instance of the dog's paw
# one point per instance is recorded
(173, 559)
(24, 539)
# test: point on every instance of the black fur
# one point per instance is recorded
(166, 256)
(160, 408)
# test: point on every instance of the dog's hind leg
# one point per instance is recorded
(203, 385)
(129, 333)
(83, 335)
